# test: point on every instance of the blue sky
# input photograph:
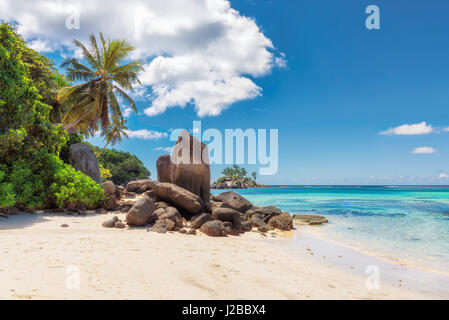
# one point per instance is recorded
(341, 87)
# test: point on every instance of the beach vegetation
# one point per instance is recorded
(31, 173)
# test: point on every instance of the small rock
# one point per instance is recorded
(213, 228)
(187, 231)
(64, 225)
(110, 223)
(119, 225)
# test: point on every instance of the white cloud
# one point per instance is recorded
(40, 46)
(165, 149)
(127, 112)
(446, 129)
(146, 134)
(201, 52)
(423, 150)
(410, 129)
(443, 176)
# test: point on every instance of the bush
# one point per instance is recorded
(71, 186)
(122, 166)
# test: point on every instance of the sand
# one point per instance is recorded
(42, 260)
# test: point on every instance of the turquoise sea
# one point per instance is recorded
(407, 223)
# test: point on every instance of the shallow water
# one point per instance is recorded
(406, 223)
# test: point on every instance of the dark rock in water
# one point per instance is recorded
(119, 225)
(138, 186)
(83, 159)
(141, 212)
(213, 228)
(110, 223)
(200, 219)
(193, 174)
(234, 200)
(228, 214)
(282, 221)
(310, 219)
(179, 196)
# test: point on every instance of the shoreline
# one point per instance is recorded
(135, 264)
(393, 271)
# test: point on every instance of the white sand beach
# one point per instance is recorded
(40, 260)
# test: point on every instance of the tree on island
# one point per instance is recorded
(254, 175)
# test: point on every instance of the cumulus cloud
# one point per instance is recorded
(146, 134)
(201, 52)
(443, 176)
(423, 150)
(409, 129)
(165, 149)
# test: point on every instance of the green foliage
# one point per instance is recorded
(123, 166)
(105, 173)
(254, 175)
(71, 186)
(30, 169)
(234, 172)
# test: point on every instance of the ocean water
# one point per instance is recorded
(410, 224)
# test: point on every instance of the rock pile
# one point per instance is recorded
(181, 200)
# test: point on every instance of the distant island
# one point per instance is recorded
(235, 177)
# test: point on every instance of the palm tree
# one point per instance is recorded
(115, 132)
(93, 102)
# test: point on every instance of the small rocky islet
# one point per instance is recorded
(181, 201)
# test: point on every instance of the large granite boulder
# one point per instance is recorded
(141, 212)
(282, 221)
(185, 168)
(138, 186)
(83, 159)
(233, 200)
(181, 197)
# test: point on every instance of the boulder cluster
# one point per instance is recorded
(233, 183)
(164, 207)
(181, 199)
